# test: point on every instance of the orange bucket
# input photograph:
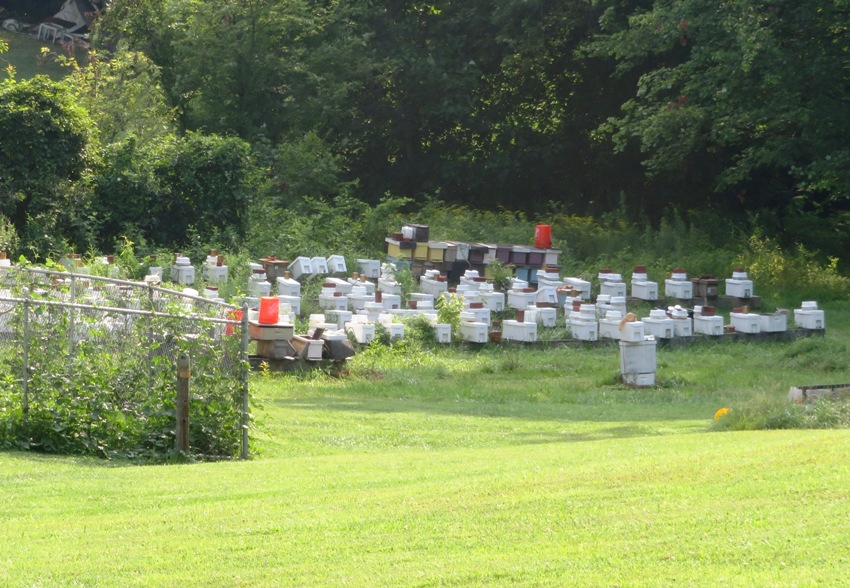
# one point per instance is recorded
(269, 310)
(543, 236)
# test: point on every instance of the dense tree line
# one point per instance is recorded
(538, 105)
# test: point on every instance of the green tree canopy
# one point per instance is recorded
(750, 95)
(48, 145)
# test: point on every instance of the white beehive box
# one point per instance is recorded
(294, 302)
(365, 286)
(373, 310)
(520, 300)
(550, 256)
(681, 289)
(773, 323)
(545, 317)
(336, 265)
(495, 301)
(645, 290)
(318, 321)
(808, 316)
(708, 325)
(546, 294)
(182, 271)
(300, 266)
(738, 285)
(612, 288)
(389, 286)
(745, 322)
(288, 287)
(582, 286)
(739, 288)
(370, 268)
(278, 332)
(363, 332)
(333, 302)
(519, 331)
(658, 324)
(609, 325)
(339, 317)
(473, 332)
(632, 332)
(319, 266)
(340, 285)
(215, 274)
(683, 326)
(422, 297)
(478, 315)
(638, 362)
(391, 301)
(443, 332)
(259, 287)
(357, 300)
(395, 330)
(584, 330)
(433, 287)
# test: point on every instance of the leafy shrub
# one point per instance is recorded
(8, 237)
(789, 273)
(112, 394)
(448, 312)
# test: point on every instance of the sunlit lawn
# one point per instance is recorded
(499, 467)
(25, 55)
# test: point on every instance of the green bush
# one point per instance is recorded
(789, 273)
(113, 394)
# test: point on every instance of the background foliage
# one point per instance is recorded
(216, 119)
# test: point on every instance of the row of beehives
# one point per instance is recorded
(350, 297)
(604, 321)
(272, 271)
(439, 252)
(215, 272)
(678, 285)
(413, 243)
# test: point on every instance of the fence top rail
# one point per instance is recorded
(132, 311)
(139, 285)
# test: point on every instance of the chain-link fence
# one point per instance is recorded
(88, 365)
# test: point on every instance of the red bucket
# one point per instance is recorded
(269, 310)
(543, 236)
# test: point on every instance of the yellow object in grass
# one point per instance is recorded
(721, 413)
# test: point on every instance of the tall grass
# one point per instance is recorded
(706, 244)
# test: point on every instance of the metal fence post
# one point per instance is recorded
(149, 334)
(245, 370)
(181, 430)
(72, 322)
(25, 356)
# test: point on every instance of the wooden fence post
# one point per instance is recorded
(184, 372)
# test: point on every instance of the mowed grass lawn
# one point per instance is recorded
(24, 54)
(503, 467)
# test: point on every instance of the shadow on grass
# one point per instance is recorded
(604, 410)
